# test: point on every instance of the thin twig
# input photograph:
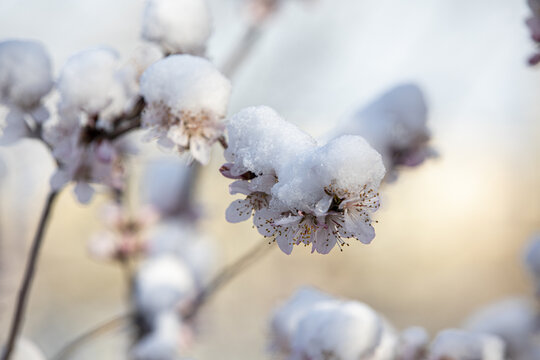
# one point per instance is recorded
(226, 275)
(240, 54)
(92, 333)
(24, 291)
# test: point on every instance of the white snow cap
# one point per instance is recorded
(163, 284)
(91, 82)
(186, 98)
(455, 344)
(178, 26)
(341, 330)
(514, 320)
(395, 125)
(313, 325)
(298, 192)
(284, 323)
(25, 73)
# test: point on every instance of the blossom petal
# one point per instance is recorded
(360, 230)
(200, 149)
(240, 187)
(285, 241)
(238, 211)
(84, 192)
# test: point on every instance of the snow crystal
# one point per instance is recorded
(178, 26)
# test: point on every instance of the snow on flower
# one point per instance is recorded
(455, 344)
(315, 326)
(93, 89)
(178, 26)
(186, 98)
(395, 125)
(298, 192)
(514, 320)
(25, 78)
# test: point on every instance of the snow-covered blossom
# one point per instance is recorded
(455, 344)
(413, 343)
(93, 89)
(298, 192)
(126, 234)
(25, 73)
(515, 321)
(186, 99)
(178, 26)
(285, 319)
(395, 125)
(315, 326)
(163, 284)
(25, 78)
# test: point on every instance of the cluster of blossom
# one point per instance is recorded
(184, 97)
(533, 23)
(315, 326)
(395, 124)
(300, 192)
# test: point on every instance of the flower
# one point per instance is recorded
(455, 344)
(186, 99)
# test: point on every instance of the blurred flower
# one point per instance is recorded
(413, 343)
(127, 235)
(186, 99)
(395, 125)
(25, 78)
(178, 26)
(455, 344)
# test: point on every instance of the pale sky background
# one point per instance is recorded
(451, 233)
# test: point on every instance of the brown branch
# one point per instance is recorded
(24, 291)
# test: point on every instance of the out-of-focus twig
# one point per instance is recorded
(29, 272)
(94, 332)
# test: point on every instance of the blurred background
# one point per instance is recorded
(450, 233)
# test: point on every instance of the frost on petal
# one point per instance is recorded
(178, 26)
(25, 73)
(238, 211)
(84, 192)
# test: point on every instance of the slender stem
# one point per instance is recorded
(24, 291)
(226, 275)
(90, 334)
(247, 43)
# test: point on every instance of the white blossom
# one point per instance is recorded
(298, 192)
(163, 284)
(455, 344)
(186, 99)
(93, 88)
(395, 124)
(178, 26)
(25, 73)
(25, 78)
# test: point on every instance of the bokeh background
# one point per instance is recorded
(450, 233)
